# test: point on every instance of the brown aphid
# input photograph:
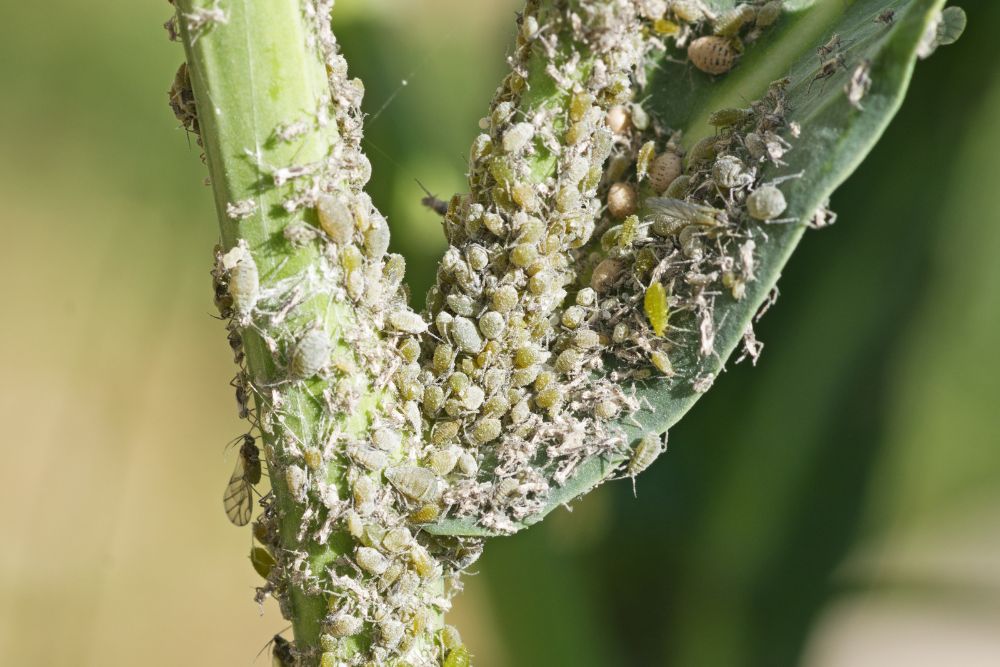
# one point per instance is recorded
(665, 169)
(282, 654)
(238, 498)
(622, 200)
(712, 54)
(182, 100)
(242, 391)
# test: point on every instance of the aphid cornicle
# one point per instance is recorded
(712, 54)
(238, 498)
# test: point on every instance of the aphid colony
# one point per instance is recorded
(342, 343)
(688, 21)
(588, 233)
(658, 274)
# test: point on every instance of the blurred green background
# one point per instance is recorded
(837, 506)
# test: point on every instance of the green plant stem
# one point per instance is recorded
(251, 74)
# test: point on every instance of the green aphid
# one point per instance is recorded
(262, 561)
(457, 657)
(729, 117)
(656, 308)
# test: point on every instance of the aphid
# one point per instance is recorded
(486, 430)
(465, 335)
(729, 172)
(335, 218)
(242, 387)
(377, 238)
(643, 160)
(712, 54)
(689, 11)
(661, 362)
(654, 304)
(310, 355)
(828, 69)
(729, 117)
(605, 274)
(694, 214)
(730, 23)
(282, 655)
(648, 448)
(370, 560)
(886, 17)
(419, 484)
(664, 171)
(517, 137)
(262, 561)
(679, 188)
(769, 14)
(407, 321)
(457, 657)
(238, 498)
(244, 280)
(859, 84)
(639, 117)
(622, 200)
(344, 625)
(617, 119)
(766, 203)
(181, 97)
(703, 151)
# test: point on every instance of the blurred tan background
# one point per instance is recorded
(837, 506)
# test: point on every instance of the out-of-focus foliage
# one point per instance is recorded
(868, 519)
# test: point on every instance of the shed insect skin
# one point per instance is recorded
(886, 17)
(859, 84)
(833, 45)
(238, 498)
(828, 69)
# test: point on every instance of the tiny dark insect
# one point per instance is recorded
(432, 202)
(238, 498)
(886, 17)
(282, 655)
(236, 345)
(242, 390)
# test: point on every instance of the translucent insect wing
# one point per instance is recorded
(238, 498)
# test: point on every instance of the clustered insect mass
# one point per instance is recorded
(588, 256)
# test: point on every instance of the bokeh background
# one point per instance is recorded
(837, 506)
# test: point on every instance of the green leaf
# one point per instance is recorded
(835, 138)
